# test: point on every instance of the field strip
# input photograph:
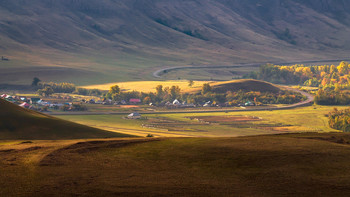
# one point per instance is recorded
(143, 133)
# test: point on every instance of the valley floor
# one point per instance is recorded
(306, 164)
(214, 124)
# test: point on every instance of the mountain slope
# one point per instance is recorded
(127, 39)
(19, 123)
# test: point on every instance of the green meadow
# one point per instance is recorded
(305, 119)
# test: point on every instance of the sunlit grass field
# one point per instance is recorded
(306, 119)
(149, 86)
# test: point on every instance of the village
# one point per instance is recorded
(68, 103)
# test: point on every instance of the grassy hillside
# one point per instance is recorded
(241, 84)
(106, 40)
(280, 165)
(246, 85)
(19, 123)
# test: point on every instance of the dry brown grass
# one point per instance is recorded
(282, 165)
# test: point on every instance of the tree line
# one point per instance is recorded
(48, 88)
(339, 119)
(207, 93)
(333, 81)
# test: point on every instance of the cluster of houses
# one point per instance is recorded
(111, 102)
(177, 104)
(34, 103)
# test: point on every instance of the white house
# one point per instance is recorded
(176, 102)
(134, 115)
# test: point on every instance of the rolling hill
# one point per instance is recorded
(17, 123)
(241, 84)
(308, 164)
(246, 85)
(96, 41)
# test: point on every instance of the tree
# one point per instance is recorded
(35, 82)
(159, 91)
(333, 69)
(175, 92)
(114, 89)
(47, 91)
(206, 88)
(190, 83)
(147, 100)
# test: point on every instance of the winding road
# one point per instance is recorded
(158, 73)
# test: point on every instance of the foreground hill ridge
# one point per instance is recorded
(18, 123)
(309, 164)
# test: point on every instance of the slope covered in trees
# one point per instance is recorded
(333, 81)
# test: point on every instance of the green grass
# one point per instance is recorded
(306, 119)
(307, 164)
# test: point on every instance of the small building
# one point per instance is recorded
(10, 98)
(34, 100)
(176, 102)
(207, 104)
(25, 105)
(249, 103)
(4, 58)
(134, 101)
(134, 115)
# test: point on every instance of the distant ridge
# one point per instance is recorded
(103, 40)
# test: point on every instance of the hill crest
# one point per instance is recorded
(17, 123)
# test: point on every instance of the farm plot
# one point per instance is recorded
(246, 122)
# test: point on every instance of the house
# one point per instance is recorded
(134, 115)
(134, 101)
(176, 102)
(9, 98)
(34, 100)
(207, 104)
(4, 58)
(25, 105)
(249, 103)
